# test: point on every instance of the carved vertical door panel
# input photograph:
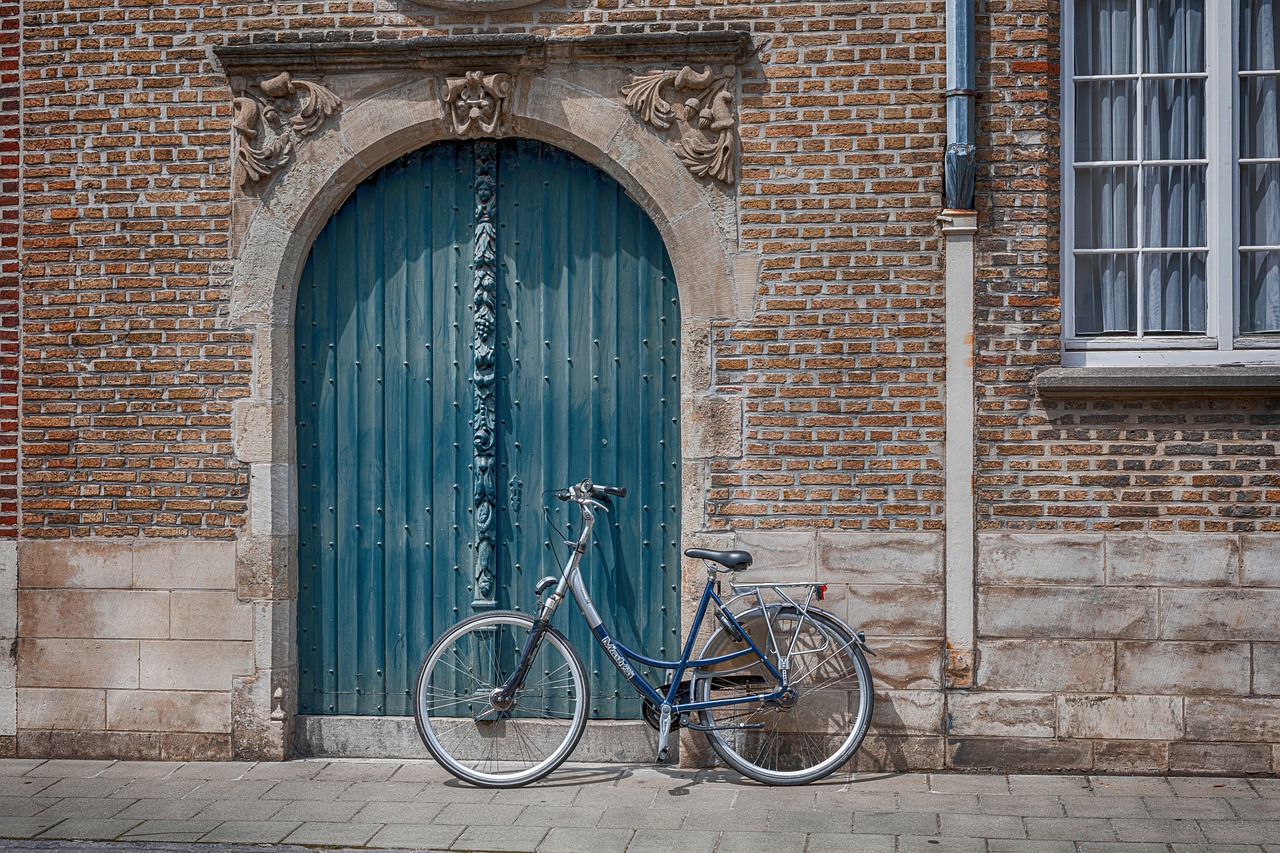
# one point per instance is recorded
(479, 322)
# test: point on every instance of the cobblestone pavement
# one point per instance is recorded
(169, 806)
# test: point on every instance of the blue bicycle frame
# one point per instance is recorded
(571, 580)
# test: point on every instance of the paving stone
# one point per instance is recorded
(396, 792)
(158, 789)
(164, 809)
(891, 782)
(1256, 809)
(210, 770)
(251, 832)
(78, 787)
(69, 768)
(1070, 828)
(537, 795)
(140, 769)
(422, 771)
(1113, 806)
(934, 801)
(351, 770)
(625, 817)
(667, 840)
(1057, 785)
(397, 812)
(309, 789)
(1193, 807)
(238, 809)
(1212, 787)
(483, 814)
(749, 842)
(320, 834)
(86, 807)
(437, 837)
(170, 830)
(21, 806)
(809, 821)
(88, 829)
(981, 826)
(736, 820)
(1122, 847)
(556, 815)
(282, 770)
(953, 783)
(1022, 805)
(1131, 786)
(836, 842)
(926, 844)
(604, 797)
(19, 766)
(1216, 848)
(576, 840)
(26, 786)
(243, 789)
(1156, 829)
(1013, 845)
(25, 827)
(1241, 831)
(324, 811)
(487, 838)
(894, 823)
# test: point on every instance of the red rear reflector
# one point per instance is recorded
(822, 591)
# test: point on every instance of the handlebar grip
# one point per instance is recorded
(616, 491)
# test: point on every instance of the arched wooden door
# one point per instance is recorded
(574, 359)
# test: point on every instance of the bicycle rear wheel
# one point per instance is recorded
(499, 748)
(796, 741)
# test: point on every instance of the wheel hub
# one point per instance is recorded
(500, 701)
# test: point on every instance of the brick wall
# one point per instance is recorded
(10, 213)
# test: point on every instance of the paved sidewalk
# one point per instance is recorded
(597, 808)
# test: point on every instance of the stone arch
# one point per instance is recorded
(272, 236)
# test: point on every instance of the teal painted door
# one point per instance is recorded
(585, 382)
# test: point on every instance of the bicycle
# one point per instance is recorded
(781, 689)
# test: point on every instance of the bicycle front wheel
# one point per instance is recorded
(486, 746)
(807, 735)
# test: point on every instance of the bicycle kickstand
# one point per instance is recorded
(664, 732)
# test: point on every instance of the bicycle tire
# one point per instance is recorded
(466, 734)
(818, 734)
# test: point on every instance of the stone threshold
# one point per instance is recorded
(339, 736)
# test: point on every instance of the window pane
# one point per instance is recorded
(1175, 126)
(1106, 297)
(1259, 293)
(1260, 205)
(1174, 36)
(1104, 208)
(1260, 116)
(1173, 206)
(1259, 35)
(1104, 120)
(1174, 293)
(1104, 37)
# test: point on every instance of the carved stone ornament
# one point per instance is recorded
(699, 104)
(477, 102)
(272, 116)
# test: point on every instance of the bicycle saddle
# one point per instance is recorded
(734, 561)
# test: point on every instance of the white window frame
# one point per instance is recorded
(1221, 344)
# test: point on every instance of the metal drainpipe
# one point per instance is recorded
(959, 224)
(959, 160)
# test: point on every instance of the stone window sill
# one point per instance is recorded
(1230, 379)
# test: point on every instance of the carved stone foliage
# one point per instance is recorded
(699, 105)
(477, 102)
(272, 116)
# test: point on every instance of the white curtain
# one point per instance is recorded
(1173, 196)
(1260, 183)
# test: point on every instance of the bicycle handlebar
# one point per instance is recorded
(587, 489)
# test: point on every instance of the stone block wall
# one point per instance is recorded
(1123, 652)
(129, 649)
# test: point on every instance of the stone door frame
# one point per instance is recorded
(382, 115)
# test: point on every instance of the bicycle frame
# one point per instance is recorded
(571, 581)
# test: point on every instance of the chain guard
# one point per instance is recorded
(650, 711)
